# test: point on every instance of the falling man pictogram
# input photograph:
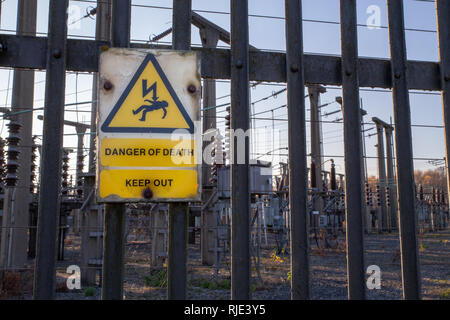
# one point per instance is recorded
(153, 105)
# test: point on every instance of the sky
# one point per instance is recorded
(266, 27)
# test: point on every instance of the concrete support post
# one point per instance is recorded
(381, 178)
(91, 234)
(391, 179)
(316, 150)
(159, 236)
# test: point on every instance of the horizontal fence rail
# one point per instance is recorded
(82, 56)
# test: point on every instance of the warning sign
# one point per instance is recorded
(148, 104)
(145, 97)
(147, 152)
(132, 184)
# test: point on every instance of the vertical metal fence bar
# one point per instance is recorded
(113, 268)
(353, 160)
(181, 24)
(177, 251)
(298, 174)
(102, 33)
(52, 142)
(404, 153)
(178, 212)
(443, 17)
(240, 172)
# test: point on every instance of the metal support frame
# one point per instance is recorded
(390, 181)
(298, 174)
(52, 142)
(352, 151)
(178, 212)
(240, 173)
(80, 129)
(114, 225)
(404, 152)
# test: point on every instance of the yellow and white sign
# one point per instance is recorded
(149, 102)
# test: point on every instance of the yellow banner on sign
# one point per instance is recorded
(116, 152)
(131, 184)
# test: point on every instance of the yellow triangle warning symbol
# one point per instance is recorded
(148, 104)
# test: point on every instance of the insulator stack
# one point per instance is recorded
(333, 183)
(33, 164)
(80, 167)
(421, 192)
(228, 134)
(378, 196)
(93, 156)
(13, 152)
(388, 199)
(71, 181)
(368, 195)
(65, 172)
(219, 157)
(2, 164)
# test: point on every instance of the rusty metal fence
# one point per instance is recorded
(243, 64)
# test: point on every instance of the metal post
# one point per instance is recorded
(102, 33)
(113, 251)
(298, 174)
(443, 16)
(52, 142)
(210, 38)
(381, 176)
(178, 212)
(404, 153)
(177, 251)
(240, 172)
(114, 220)
(352, 141)
(391, 178)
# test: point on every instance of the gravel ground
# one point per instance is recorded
(328, 272)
